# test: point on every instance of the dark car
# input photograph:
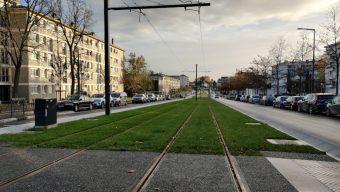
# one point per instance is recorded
(333, 107)
(292, 102)
(266, 100)
(76, 102)
(278, 102)
(238, 97)
(314, 102)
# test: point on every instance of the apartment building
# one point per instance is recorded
(183, 80)
(47, 48)
(164, 83)
(294, 77)
(330, 70)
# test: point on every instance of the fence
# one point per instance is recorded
(16, 108)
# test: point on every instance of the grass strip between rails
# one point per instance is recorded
(243, 139)
(199, 136)
(89, 137)
(150, 136)
(64, 129)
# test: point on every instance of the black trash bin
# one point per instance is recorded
(45, 113)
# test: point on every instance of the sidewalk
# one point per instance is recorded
(22, 127)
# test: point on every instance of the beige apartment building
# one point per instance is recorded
(164, 83)
(47, 45)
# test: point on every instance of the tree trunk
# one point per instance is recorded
(16, 81)
(72, 71)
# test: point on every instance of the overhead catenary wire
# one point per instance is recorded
(141, 13)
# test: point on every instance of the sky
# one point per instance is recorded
(230, 35)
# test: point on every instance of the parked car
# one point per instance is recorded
(238, 97)
(98, 100)
(292, 102)
(254, 99)
(76, 102)
(152, 97)
(333, 107)
(119, 98)
(267, 100)
(243, 98)
(161, 97)
(314, 102)
(139, 98)
(168, 97)
(217, 96)
(278, 102)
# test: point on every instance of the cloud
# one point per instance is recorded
(234, 31)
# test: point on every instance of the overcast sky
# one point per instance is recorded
(233, 31)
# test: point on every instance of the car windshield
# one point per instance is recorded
(138, 95)
(115, 95)
(73, 97)
(97, 95)
(283, 98)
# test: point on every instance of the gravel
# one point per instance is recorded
(262, 176)
(302, 156)
(184, 172)
(23, 161)
(90, 171)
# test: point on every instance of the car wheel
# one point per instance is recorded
(310, 110)
(102, 105)
(76, 108)
(91, 107)
(328, 112)
(119, 103)
(299, 108)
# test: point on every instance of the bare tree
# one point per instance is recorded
(302, 52)
(262, 71)
(277, 55)
(18, 22)
(330, 36)
(75, 18)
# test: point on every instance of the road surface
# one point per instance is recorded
(318, 130)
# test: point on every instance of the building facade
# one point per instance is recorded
(40, 76)
(164, 83)
(294, 77)
(331, 70)
(183, 80)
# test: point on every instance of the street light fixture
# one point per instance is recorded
(313, 67)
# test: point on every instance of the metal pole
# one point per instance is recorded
(196, 83)
(107, 57)
(313, 62)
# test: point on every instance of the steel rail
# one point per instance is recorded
(230, 164)
(139, 186)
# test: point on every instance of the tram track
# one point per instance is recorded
(37, 170)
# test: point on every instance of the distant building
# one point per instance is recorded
(164, 83)
(183, 79)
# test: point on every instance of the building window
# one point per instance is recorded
(37, 38)
(44, 40)
(37, 55)
(4, 57)
(34, 90)
(4, 77)
(34, 72)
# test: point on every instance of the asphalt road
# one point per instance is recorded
(318, 130)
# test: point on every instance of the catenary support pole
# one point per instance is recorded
(107, 58)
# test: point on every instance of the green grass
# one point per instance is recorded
(244, 139)
(199, 135)
(76, 127)
(151, 128)
(150, 136)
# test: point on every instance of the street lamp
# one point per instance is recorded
(311, 29)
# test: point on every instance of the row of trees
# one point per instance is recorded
(74, 19)
(265, 68)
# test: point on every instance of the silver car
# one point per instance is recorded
(333, 107)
